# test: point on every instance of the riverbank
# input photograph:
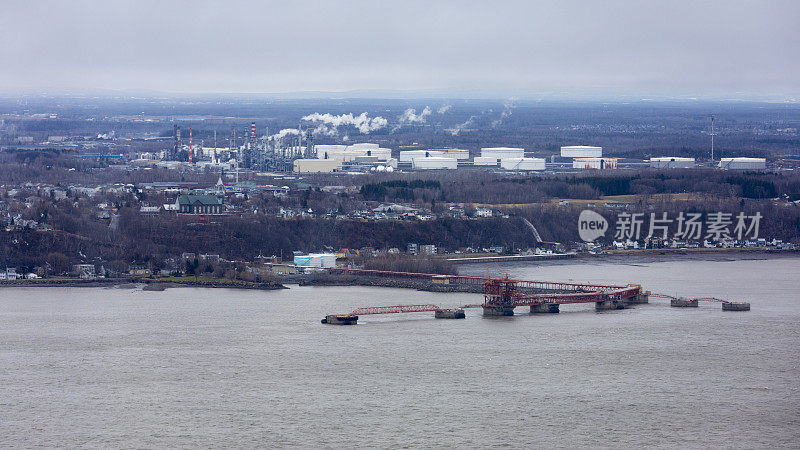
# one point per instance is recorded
(133, 281)
(470, 267)
(491, 257)
(352, 280)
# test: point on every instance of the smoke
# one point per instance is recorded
(328, 123)
(411, 116)
(444, 108)
(285, 132)
(508, 109)
(460, 127)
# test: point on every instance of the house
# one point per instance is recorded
(209, 258)
(427, 249)
(393, 208)
(84, 271)
(139, 270)
(199, 204)
(483, 212)
(9, 274)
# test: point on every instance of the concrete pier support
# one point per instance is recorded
(498, 310)
(684, 303)
(609, 305)
(641, 298)
(339, 319)
(545, 308)
(735, 306)
(457, 313)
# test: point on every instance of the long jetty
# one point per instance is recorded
(502, 295)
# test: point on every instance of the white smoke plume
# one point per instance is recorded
(458, 128)
(508, 109)
(411, 116)
(444, 108)
(285, 132)
(328, 123)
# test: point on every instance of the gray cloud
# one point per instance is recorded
(507, 46)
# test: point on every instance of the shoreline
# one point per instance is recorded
(667, 253)
(148, 282)
(481, 258)
(615, 257)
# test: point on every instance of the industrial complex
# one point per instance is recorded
(294, 150)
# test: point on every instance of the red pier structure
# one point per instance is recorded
(394, 309)
(502, 295)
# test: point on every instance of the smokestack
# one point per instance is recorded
(190, 145)
(177, 147)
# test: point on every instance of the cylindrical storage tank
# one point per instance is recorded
(434, 162)
(485, 161)
(594, 163)
(581, 151)
(326, 151)
(743, 163)
(382, 154)
(456, 153)
(522, 163)
(406, 156)
(316, 165)
(503, 152)
(672, 162)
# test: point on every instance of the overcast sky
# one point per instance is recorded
(662, 47)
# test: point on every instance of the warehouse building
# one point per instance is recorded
(321, 260)
(743, 163)
(672, 162)
(581, 151)
(522, 163)
(594, 163)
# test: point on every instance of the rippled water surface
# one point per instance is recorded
(102, 367)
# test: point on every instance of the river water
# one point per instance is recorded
(189, 367)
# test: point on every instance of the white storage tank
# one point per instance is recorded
(325, 151)
(434, 162)
(406, 156)
(316, 165)
(456, 153)
(522, 163)
(382, 154)
(485, 161)
(364, 145)
(581, 151)
(349, 153)
(743, 163)
(594, 163)
(503, 152)
(672, 162)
